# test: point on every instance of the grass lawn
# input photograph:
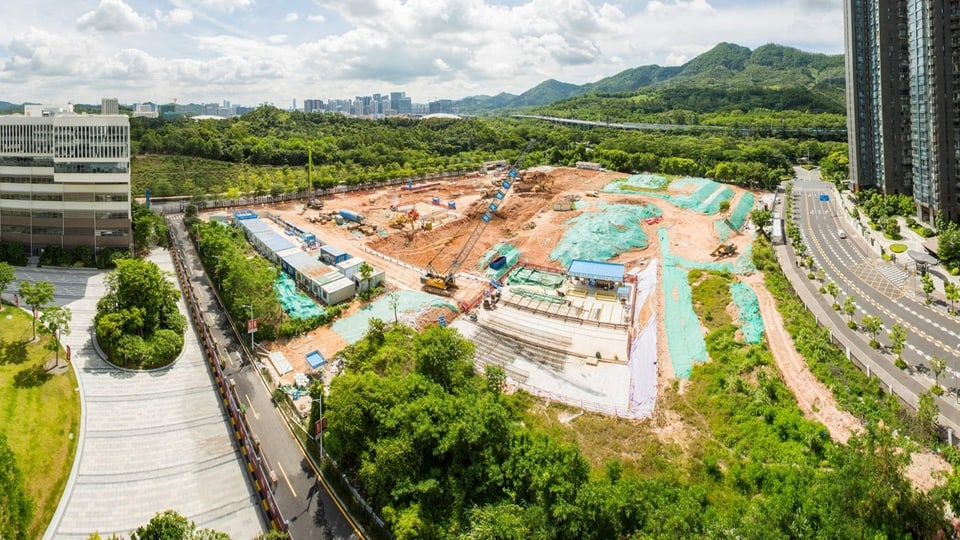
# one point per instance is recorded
(39, 414)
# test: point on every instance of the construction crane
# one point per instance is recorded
(442, 282)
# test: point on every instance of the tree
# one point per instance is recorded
(849, 308)
(891, 228)
(926, 281)
(394, 304)
(7, 275)
(443, 356)
(872, 323)
(762, 219)
(56, 321)
(821, 275)
(36, 295)
(365, 272)
(898, 338)
(927, 413)
(170, 525)
(833, 290)
(16, 509)
(952, 293)
(938, 366)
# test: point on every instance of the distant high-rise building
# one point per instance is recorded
(65, 180)
(109, 106)
(145, 110)
(903, 100)
(444, 106)
(311, 105)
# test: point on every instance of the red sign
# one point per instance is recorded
(319, 426)
(68, 353)
(251, 326)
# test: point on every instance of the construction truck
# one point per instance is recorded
(443, 282)
(724, 250)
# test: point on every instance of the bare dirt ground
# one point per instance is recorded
(815, 400)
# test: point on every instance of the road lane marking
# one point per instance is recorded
(257, 416)
(284, 473)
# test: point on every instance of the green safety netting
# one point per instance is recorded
(536, 278)
(723, 229)
(601, 235)
(705, 198)
(743, 264)
(742, 210)
(511, 253)
(294, 302)
(537, 295)
(684, 334)
(352, 328)
(638, 182)
(751, 324)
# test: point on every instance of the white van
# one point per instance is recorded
(842, 233)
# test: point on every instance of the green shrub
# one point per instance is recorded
(886, 257)
(898, 248)
(937, 390)
(852, 325)
(811, 275)
(900, 363)
(955, 271)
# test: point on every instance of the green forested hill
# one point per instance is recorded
(771, 68)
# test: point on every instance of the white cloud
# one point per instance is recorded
(114, 16)
(174, 17)
(316, 18)
(277, 39)
(228, 6)
(291, 17)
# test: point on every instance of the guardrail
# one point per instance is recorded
(263, 480)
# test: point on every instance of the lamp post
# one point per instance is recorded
(251, 329)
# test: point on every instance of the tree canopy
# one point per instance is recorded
(138, 323)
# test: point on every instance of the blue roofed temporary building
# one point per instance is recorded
(242, 215)
(331, 254)
(264, 239)
(315, 359)
(596, 271)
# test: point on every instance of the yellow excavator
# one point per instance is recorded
(724, 250)
(443, 282)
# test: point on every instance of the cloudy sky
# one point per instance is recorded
(255, 51)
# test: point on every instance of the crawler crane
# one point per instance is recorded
(442, 282)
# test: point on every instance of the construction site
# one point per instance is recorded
(573, 280)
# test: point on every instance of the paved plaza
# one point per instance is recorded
(149, 441)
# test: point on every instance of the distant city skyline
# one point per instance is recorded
(253, 51)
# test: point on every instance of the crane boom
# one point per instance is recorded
(442, 282)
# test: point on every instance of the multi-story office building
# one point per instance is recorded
(109, 106)
(65, 179)
(903, 100)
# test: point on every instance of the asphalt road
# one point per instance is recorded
(879, 288)
(302, 495)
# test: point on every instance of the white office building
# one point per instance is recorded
(65, 179)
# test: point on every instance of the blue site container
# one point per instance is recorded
(452, 205)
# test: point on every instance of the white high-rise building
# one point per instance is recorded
(109, 106)
(65, 179)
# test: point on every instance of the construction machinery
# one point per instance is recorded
(724, 250)
(442, 282)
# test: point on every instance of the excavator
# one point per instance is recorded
(443, 282)
(724, 250)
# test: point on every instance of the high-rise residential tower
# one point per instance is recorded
(65, 179)
(903, 100)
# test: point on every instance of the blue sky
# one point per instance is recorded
(255, 51)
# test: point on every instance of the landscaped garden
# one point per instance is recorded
(39, 425)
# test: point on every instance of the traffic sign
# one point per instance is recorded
(251, 326)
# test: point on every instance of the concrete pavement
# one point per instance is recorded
(149, 441)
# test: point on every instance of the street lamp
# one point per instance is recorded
(251, 329)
